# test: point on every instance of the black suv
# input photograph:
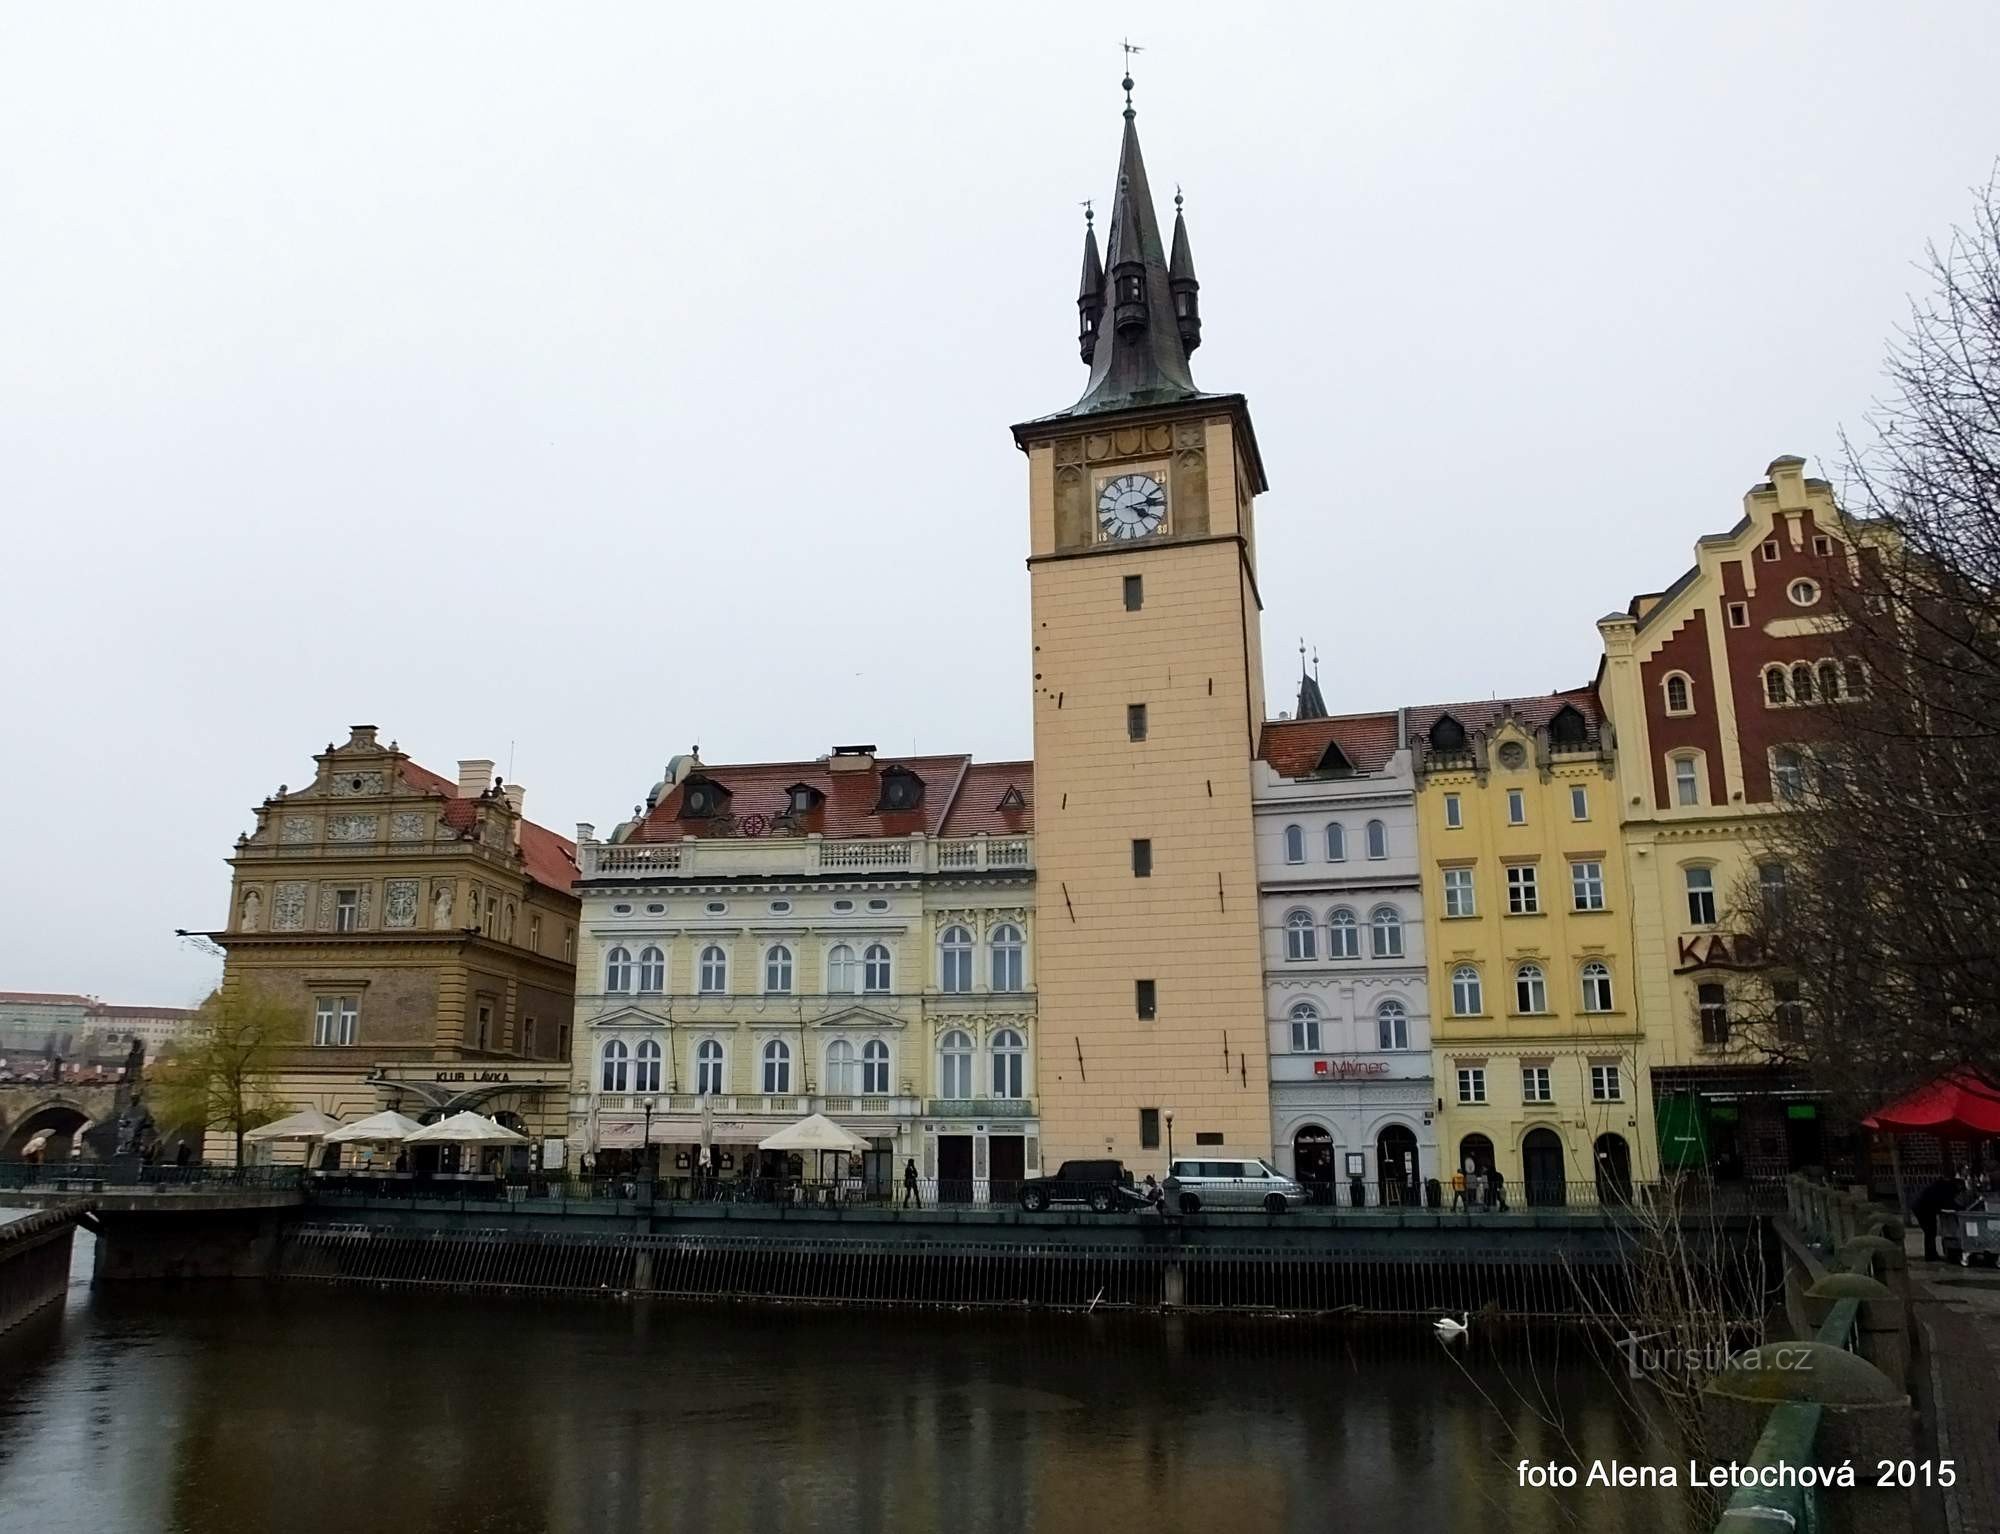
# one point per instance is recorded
(1104, 1186)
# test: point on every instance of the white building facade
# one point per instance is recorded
(1346, 1001)
(849, 937)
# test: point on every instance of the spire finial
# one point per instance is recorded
(1177, 197)
(1302, 655)
(1130, 49)
(1088, 215)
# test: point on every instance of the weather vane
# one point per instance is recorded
(1130, 49)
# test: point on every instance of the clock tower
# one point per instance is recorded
(1148, 701)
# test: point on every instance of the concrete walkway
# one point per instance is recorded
(1958, 1315)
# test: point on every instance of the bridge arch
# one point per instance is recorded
(65, 1121)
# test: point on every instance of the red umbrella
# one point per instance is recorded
(1957, 1104)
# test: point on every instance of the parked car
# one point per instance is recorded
(1104, 1187)
(1234, 1182)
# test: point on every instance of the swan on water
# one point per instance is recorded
(1451, 1330)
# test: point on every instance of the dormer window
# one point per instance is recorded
(902, 789)
(1447, 734)
(1013, 799)
(802, 798)
(1333, 762)
(702, 799)
(1568, 727)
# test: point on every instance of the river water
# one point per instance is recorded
(236, 1409)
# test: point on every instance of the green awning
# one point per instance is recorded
(1683, 1125)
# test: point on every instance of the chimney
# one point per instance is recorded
(475, 776)
(851, 759)
(361, 737)
(515, 794)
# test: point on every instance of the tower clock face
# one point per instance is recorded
(1131, 506)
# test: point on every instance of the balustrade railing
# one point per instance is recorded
(726, 854)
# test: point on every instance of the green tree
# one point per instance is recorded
(221, 1077)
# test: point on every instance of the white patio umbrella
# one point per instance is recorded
(467, 1128)
(384, 1128)
(310, 1124)
(817, 1133)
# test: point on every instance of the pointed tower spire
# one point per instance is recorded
(1181, 279)
(1311, 704)
(1090, 292)
(1140, 358)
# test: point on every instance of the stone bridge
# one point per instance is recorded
(64, 1108)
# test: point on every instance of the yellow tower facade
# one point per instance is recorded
(1148, 699)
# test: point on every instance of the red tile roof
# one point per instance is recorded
(550, 859)
(960, 798)
(1485, 713)
(1293, 747)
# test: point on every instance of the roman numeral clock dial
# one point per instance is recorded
(1131, 506)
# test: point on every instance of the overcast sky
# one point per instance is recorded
(572, 384)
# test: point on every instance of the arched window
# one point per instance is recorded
(1295, 844)
(875, 970)
(955, 961)
(841, 970)
(875, 1068)
(1336, 842)
(1771, 884)
(1802, 683)
(1680, 694)
(646, 1075)
(1392, 1026)
(1857, 678)
(1466, 1000)
(1378, 839)
(1343, 935)
(618, 970)
(1596, 987)
(1006, 948)
(1301, 940)
(652, 970)
(708, 1067)
(955, 1064)
(840, 1067)
(1829, 681)
(1305, 1028)
(714, 978)
(1007, 1069)
(1531, 992)
(616, 1066)
(777, 970)
(1775, 690)
(777, 1066)
(1387, 922)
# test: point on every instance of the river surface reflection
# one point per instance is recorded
(244, 1408)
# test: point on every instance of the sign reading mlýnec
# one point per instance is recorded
(1348, 1070)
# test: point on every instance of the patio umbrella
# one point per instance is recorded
(816, 1133)
(310, 1124)
(1957, 1103)
(467, 1128)
(384, 1128)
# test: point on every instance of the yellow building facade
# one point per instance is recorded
(1538, 1050)
(1148, 698)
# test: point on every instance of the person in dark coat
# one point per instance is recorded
(1934, 1200)
(910, 1193)
(1496, 1191)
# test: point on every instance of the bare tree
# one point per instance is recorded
(1876, 905)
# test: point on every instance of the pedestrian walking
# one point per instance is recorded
(1496, 1187)
(910, 1193)
(1458, 1198)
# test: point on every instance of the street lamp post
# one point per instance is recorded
(646, 1169)
(1169, 1116)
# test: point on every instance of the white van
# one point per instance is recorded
(1230, 1182)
